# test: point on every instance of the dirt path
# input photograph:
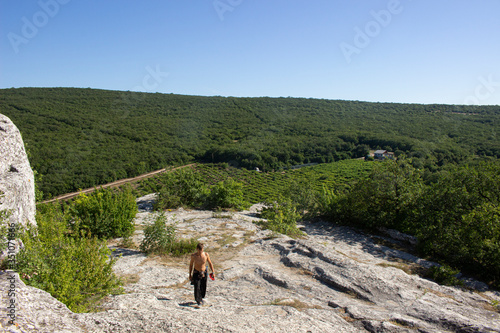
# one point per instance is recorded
(115, 183)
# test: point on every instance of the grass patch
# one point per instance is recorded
(495, 305)
(294, 303)
(127, 243)
(130, 278)
(408, 268)
(226, 240)
(160, 238)
(221, 215)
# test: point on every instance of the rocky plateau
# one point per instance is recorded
(334, 279)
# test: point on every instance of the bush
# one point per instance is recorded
(227, 194)
(181, 188)
(302, 193)
(282, 217)
(444, 275)
(160, 238)
(77, 271)
(105, 214)
(4, 231)
(386, 198)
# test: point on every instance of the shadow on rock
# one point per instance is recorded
(118, 251)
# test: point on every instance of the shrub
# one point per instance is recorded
(456, 218)
(4, 231)
(384, 199)
(105, 214)
(444, 275)
(181, 188)
(160, 238)
(302, 193)
(328, 204)
(227, 194)
(282, 217)
(77, 271)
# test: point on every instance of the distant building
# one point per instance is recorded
(383, 154)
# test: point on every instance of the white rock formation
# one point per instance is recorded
(17, 186)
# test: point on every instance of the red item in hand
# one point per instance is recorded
(212, 276)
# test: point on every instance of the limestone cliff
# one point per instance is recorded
(17, 186)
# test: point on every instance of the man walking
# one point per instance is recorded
(198, 272)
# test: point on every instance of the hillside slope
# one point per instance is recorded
(79, 138)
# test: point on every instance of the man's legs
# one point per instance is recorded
(203, 285)
(200, 285)
(196, 284)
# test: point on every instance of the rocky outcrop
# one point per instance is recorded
(34, 310)
(334, 279)
(17, 186)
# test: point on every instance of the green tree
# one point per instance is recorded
(302, 193)
(78, 271)
(282, 217)
(387, 198)
(227, 194)
(105, 213)
(458, 219)
(182, 187)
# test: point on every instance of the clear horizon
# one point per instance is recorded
(398, 51)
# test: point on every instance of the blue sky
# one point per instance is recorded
(413, 51)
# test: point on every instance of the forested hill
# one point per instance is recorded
(79, 138)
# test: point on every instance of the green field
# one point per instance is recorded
(262, 186)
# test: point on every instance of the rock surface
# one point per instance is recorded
(17, 186)
(332, 280)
